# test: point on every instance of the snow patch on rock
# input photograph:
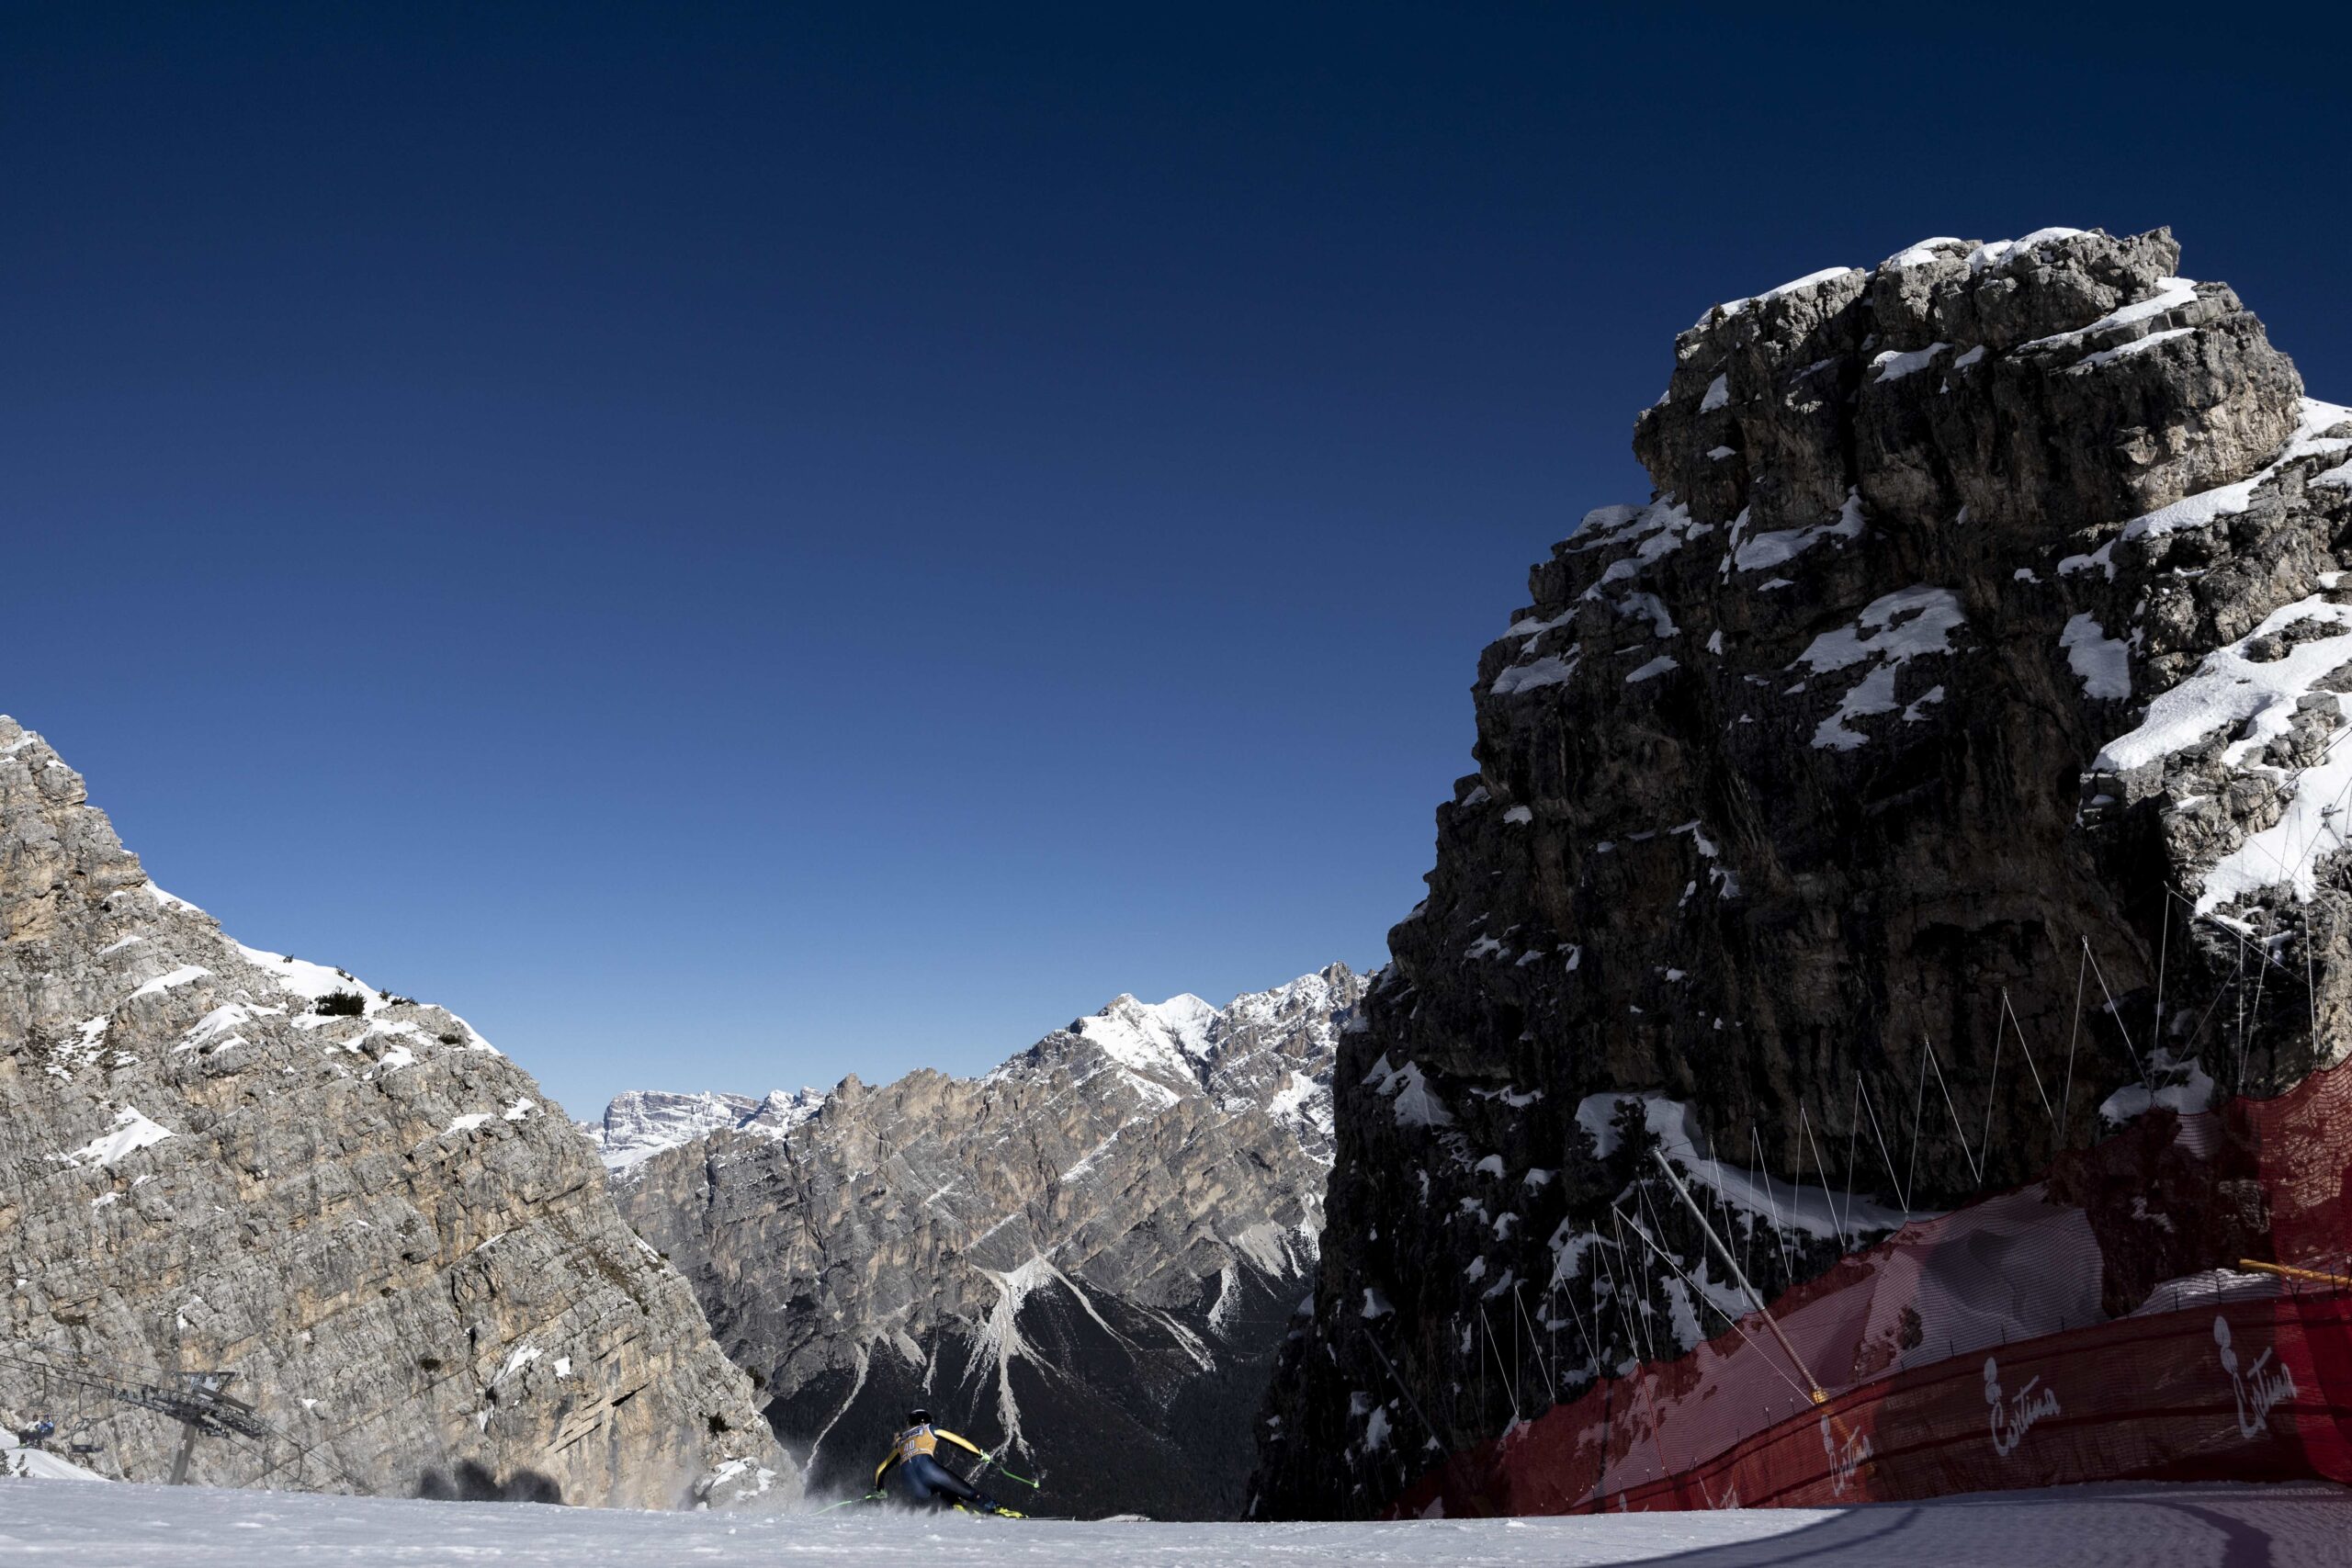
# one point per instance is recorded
(1892, 630)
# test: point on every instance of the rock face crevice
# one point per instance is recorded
(214, 1157)
(1974, 665)
(1085, 1258)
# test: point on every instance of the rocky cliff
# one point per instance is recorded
(1086, 1257)
(218, 1158)
(1938, 771)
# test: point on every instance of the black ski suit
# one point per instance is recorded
(912, 1471)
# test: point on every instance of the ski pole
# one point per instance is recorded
(1009, 1476)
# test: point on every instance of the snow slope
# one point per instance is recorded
(16, 1461)
(157, 1527)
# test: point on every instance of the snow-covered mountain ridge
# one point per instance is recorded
(1088, 1250)
(642, 1123)
(1183, 1042)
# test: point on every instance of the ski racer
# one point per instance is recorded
(913, 1469)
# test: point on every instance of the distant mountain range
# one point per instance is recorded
(1084, 1258)
(643, 1123)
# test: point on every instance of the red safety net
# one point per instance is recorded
(1985, 1349)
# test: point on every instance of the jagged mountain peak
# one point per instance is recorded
(213, 1156)
(1981, 645)
(1184, 1015)
(1184, 1043)
(1185, 1040)
(1331, 992)
(779, 1110)
(1167, 1040)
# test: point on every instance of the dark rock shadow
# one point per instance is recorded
(471, 1481)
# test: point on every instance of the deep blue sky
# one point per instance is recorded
(733, 547)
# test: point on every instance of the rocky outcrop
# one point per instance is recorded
(1085, 1258)
(1939, 770)
(213, 1157)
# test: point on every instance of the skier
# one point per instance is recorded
(921, 1478)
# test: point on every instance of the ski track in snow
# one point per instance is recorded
(2149, 1526)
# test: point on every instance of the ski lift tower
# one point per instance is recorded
(197, 1404)
(197, 1401)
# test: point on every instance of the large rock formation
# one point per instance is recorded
(213, 1157)
(1086, 1257)
(1973, 667)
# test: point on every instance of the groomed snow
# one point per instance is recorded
(2145, 1526)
